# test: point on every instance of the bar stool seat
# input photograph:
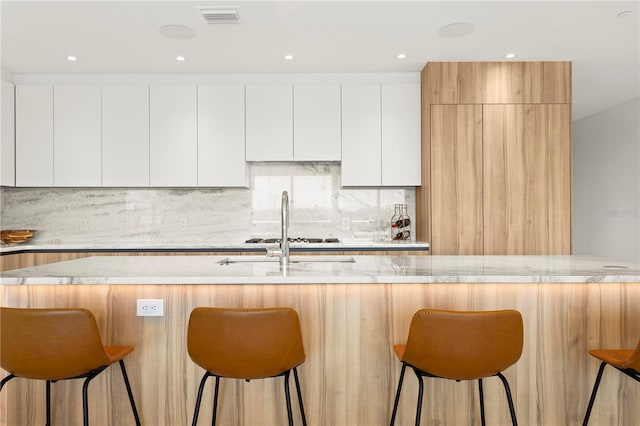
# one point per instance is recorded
(460, 346)
(246, 344)
(57, 344)
(627, 361)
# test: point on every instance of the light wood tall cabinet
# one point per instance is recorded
(496, 143)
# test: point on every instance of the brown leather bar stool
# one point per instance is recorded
(461, 346)
(57, 344)
(246, 344)
(626, 361)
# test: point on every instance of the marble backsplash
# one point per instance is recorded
(320, 208)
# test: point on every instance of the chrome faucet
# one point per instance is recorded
(284, 219)
(283, 251)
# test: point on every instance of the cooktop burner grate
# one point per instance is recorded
(292, 240)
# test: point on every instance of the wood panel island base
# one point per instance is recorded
(351, 314)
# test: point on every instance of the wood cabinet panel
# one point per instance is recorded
(499, 82)
(456, 179)
(527, 179)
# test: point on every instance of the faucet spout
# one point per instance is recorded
(284, 219)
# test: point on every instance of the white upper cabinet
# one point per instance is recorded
(381, 135)
(125, 135)
(77, 135)
(173, 135)
(401, 147)
(7, 136)
(221, 141)
(361, 138)
(269, 125)
(316, 126)
(34, 135)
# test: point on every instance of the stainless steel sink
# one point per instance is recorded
(294, 259)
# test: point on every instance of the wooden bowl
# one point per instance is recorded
(16, 236)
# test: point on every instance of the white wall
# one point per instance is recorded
(606, 183)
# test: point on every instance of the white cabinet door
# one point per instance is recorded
(34, 135)
(361, 139)
(316, 122)
(221, 144)
(269, 110)
(173, 135)
(125, 135)
(401, 160)
(77, 135)
(7, 136)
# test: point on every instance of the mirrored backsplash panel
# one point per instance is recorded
(319, 208)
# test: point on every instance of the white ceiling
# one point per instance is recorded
(328, 36)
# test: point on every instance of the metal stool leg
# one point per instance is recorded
(215, 402)
(295, 376)
(512, 410)
(420, 394)
(481, 402)
(395, 403)
(199, 398)
(85, 396)
(5, 380)
(287, 395)
(48, 396)
(129, 392)
(593, 394)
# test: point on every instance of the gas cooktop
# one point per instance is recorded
(292, 240)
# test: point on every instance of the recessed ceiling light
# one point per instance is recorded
(624, 14)
(457, 29)
(288, 57)
(177, 32)
(72, 58)
(401, 56)
(510, 55)
(180, 58)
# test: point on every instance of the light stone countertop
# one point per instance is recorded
(354, 245)
(325, 270)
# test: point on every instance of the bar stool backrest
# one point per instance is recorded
(50, 344)
(245, 343)
(464, 345)
(634, 361)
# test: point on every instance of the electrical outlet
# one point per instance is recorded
(184, 223)
(150, 307)
(346, 223)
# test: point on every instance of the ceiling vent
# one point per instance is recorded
(225, 15)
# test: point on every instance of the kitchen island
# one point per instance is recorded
(352, 310)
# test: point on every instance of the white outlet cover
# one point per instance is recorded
(150, 307)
